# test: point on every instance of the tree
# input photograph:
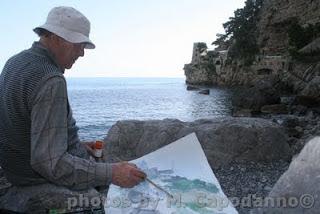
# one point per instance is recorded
(241, 30)
(300, 36)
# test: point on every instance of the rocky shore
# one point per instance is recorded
(251, 180)
(248, 155)
(266, 148)
(277, 86)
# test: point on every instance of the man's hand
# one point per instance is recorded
(126, 174)
(89, 147)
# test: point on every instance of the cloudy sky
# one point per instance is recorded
(134, 38)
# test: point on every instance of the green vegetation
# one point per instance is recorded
(240, 32)
(198, 208)
(184, 184)
(211, 68)
(202, 46)
(301, 36)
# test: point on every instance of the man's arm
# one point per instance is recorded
(49, 136)
(49, 146)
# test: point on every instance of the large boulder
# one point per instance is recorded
(298, 188)
(223, 139)
(263, 92)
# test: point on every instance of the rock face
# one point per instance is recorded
(312, 90)
(301, 182)
(273, 58)
(198, 74)
(275, 18)
(298, 76)
(263, 92)
(274, 109)
(201, 70)
(223, 139)
(192, 88)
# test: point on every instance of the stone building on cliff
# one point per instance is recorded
(205, 65)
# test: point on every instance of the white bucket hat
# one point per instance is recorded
(69, 24)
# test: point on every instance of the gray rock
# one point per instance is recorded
(263, 92)
(287, 100)
(299, 110)
(308, 101)
(291, 121)
(312, 89)
(192, 88)
(223, 139)
(274, 109)
(310, 95)
(205, 92)
(242, 113)
(301, 182)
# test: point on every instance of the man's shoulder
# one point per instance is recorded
(31, 65)
(30, 71)
(39, 63)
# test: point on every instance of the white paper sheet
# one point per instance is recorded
(182, 169)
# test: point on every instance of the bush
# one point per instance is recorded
(301, 36)
(240, 32)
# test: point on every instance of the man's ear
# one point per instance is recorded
(59, 41)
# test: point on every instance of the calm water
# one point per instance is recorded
(98, 103)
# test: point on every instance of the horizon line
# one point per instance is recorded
(177, 77)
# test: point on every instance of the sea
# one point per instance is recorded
(98, 103)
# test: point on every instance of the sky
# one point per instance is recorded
(133, 38)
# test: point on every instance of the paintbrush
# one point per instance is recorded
(151, 182)
(159, 187)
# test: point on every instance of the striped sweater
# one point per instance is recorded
(38, 136)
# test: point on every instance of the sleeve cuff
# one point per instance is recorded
(103, 174)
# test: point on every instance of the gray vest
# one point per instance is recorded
(19, 81)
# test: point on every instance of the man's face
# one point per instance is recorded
(67, 53)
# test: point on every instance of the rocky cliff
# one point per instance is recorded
(275, 18)
(273, 59)
(201, 70)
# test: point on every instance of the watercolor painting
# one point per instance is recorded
(181, 182)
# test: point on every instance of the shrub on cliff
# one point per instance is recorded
(300, 36)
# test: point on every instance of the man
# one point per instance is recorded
(39, 144)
